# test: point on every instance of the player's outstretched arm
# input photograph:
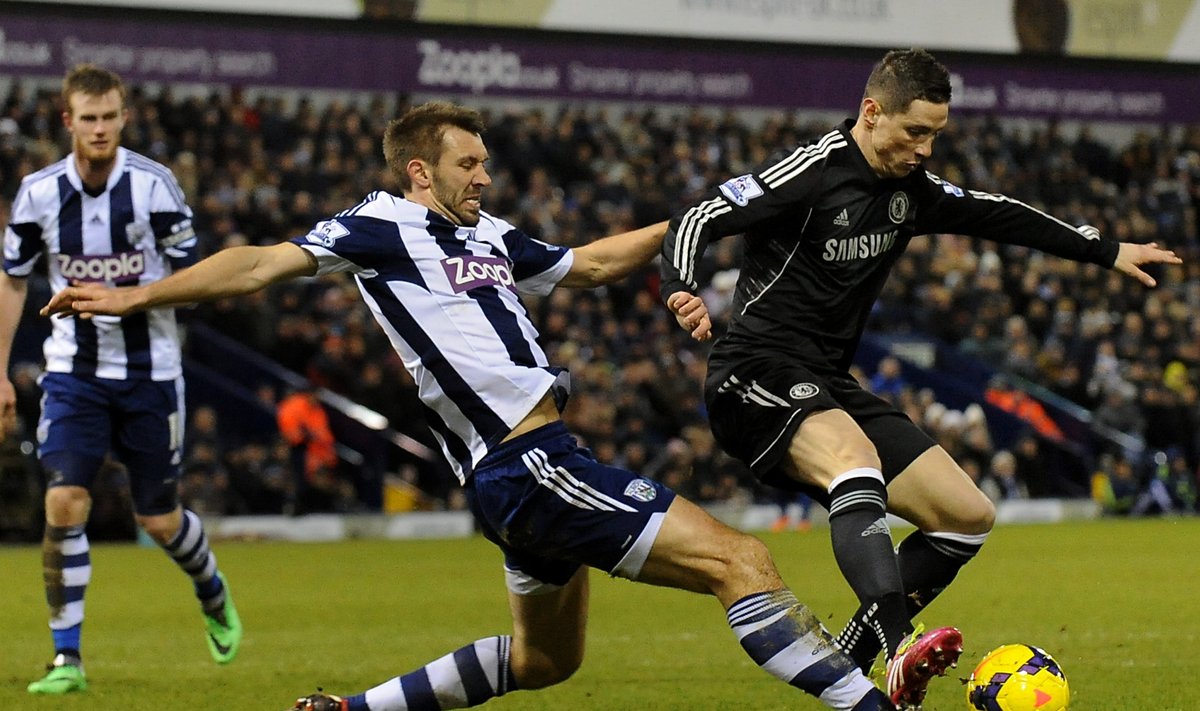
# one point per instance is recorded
(230, 272)
(692, 314)
(1131, 256)
(613, 258)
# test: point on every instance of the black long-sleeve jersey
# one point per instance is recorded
(822, 232)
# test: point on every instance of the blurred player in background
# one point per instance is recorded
(106, 215)
(823, 225)
(442, 277)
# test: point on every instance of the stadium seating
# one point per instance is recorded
(261, 168)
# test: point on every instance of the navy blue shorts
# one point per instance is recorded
(139, 421)
(551, 507)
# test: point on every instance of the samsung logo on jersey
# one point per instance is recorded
(109, 267)
(860, 247)
(471, 271)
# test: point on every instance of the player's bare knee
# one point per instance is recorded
(982, 517)
(540, 671)
(161, 528)
(67, 505)
(748, 567)
(977, 516)
(974, 517)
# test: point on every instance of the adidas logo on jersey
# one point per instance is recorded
(880, 526)
(843, 219)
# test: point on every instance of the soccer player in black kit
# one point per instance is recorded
(823, 224)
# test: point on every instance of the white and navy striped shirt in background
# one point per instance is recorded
(137, 231)
(447, 298)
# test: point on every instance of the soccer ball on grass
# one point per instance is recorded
(1018, 677)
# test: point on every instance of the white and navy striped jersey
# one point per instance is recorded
(822, 232)
(137, 231)
(446, 296)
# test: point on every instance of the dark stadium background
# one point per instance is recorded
(272, 123)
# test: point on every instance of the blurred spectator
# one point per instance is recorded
(948, 431)
(261, 478)
(1170, 487)
(795, 511)
(1002, 394)
(977, 447)
(673, 467)
(1183, 482)
(1032, 470)
(1001, 482)
(29, 398)
(203, 431)
(888, 380)
(1114, 484)
(20, 493)
(305, 427)
(1157, 494)
(1119, 412)
(715, 475)
(401, 493)
(204, 484)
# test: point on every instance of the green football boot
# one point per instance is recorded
(224, 629)
(61, 678)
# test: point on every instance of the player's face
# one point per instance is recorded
(902, 140)
(458, 179)
(95, 123)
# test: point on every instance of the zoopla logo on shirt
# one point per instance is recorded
(470, 271)
(101, 267)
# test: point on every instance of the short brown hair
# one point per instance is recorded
(91, 80)
(906, 75)
(419, 132)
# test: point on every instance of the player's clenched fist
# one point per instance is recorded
(692, 314)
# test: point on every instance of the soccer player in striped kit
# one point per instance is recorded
(106, 215)
(823, 225)
(442, 278)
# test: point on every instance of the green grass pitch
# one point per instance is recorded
(1114, 601)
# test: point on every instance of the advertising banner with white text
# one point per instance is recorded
(352, 55)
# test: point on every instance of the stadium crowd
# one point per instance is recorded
(261, 168)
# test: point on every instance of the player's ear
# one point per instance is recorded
(870, 111)
(419, 173)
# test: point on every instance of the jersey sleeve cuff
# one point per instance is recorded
(671, 286)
